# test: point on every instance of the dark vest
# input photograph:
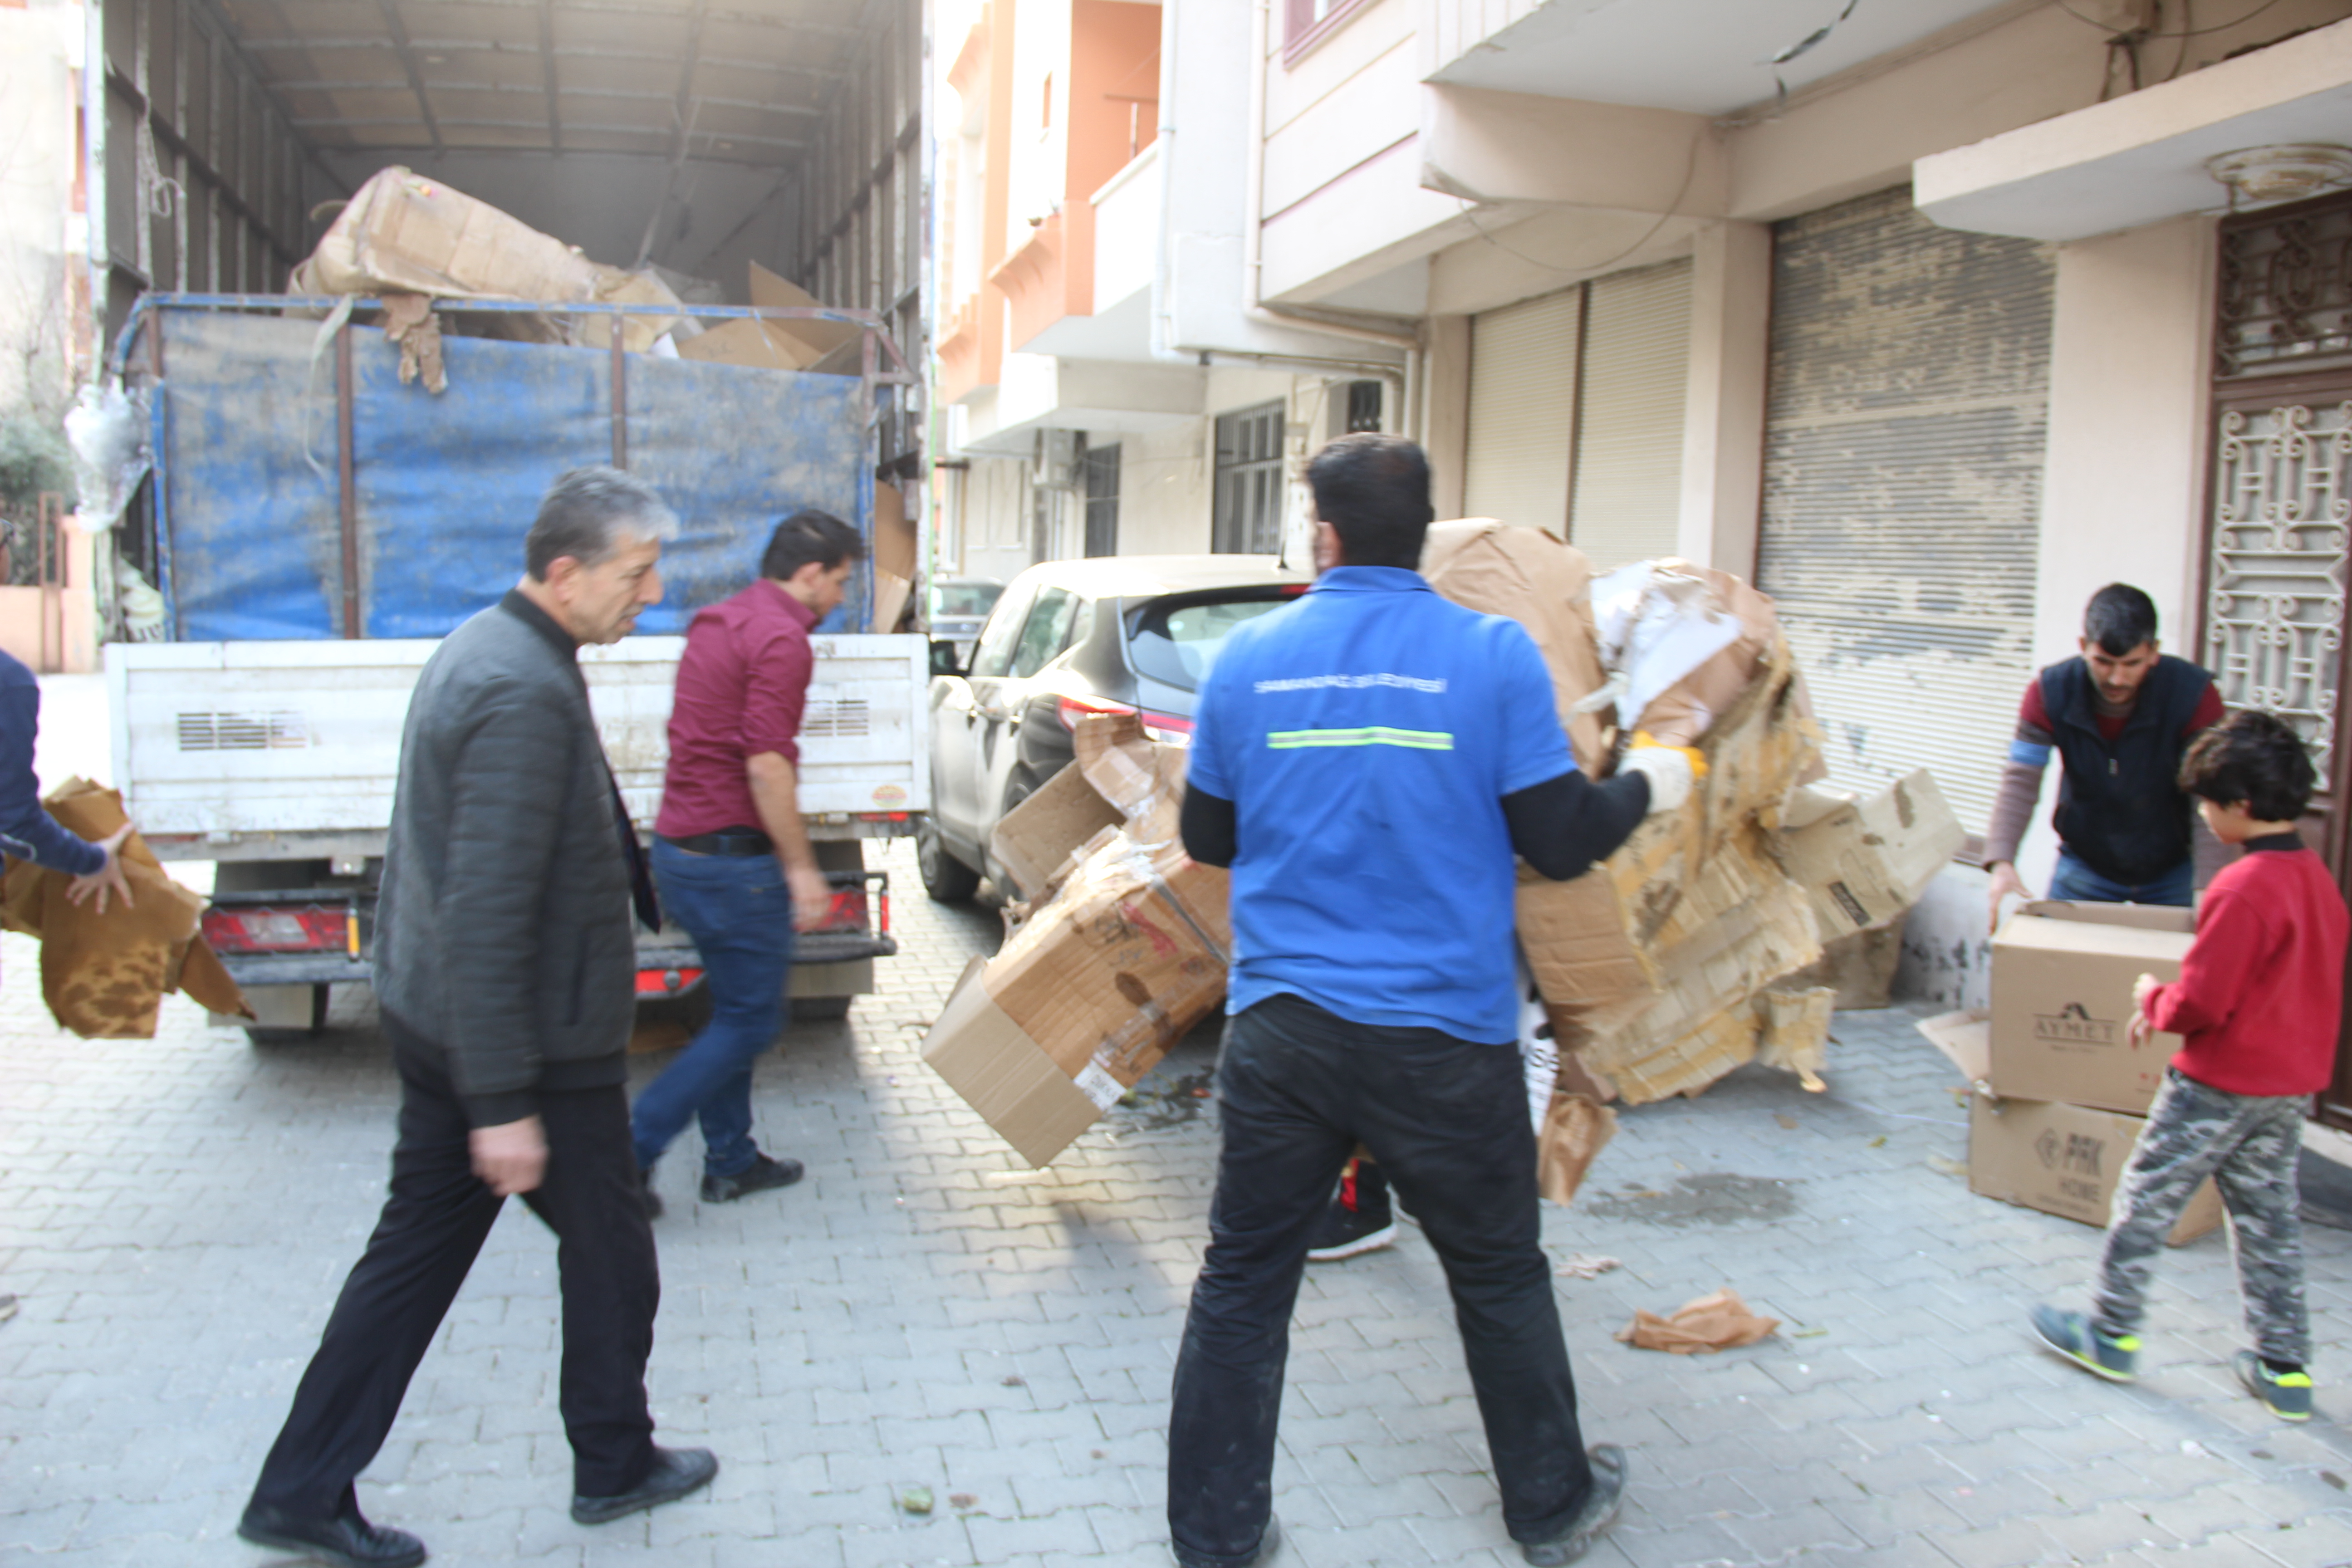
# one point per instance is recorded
(2119, 809)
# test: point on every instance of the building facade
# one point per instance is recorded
(1931, 328)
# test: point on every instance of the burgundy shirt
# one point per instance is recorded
(741, 686)
(2261, 994)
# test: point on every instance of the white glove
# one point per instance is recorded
(1669, 771)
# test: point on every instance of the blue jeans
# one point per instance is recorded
(740, 913)
(2075, 881)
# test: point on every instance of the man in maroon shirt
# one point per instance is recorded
(2258, 1005)
(2120, 717)
(730, 853)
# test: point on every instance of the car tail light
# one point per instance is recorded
(278, 931)
(1073, 709)
(666, 981)
(1172, 727)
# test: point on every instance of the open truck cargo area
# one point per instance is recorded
(364, 302)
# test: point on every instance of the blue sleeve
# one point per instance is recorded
(26, 830)
(1209, 769)
(1533, 748)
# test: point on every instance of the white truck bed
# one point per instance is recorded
(236, 749)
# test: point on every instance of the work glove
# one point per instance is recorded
(1670, 770)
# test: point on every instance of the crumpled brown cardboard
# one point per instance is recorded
(409, 322)
(1711, 1323)
(1576, 1128)
(104, 976)
(1526, 573)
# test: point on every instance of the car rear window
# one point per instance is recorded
(1177, 643)
(964, 598)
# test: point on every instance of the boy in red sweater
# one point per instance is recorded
(2259, 1003)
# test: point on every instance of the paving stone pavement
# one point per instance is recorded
(923, 1310)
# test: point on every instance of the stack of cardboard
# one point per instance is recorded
(1123, 949)
(2061, 1093)
(1668, 966)
(403, 235)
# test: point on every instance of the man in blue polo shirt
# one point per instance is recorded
(1368, 761)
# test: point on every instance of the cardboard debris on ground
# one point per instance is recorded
(1716, 1322)
(1859, 967)
(104, 975)
(1121, 949)
(1584, 1265)
(1575, 1129)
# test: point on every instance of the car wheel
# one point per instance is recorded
(945, 879)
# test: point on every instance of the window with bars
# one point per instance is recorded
(1363, 406)
(1246, 512)
(1102, 500)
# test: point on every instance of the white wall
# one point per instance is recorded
(40, 53)
(1163, 491)
(2124, 485)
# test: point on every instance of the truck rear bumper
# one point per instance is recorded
(296, 968)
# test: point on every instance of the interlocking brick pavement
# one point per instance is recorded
(177, 1213)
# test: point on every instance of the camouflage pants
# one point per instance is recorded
(2249, 1144)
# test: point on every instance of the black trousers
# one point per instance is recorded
(434, 1224)
(1297, 1087)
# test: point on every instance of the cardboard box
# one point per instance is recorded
(1859, 967)
(894, 534)
(1543, 584)
(2065, 1160)
(1966, 1039)
(2061, 999)
(1868, 860)
(815, 340)
(1121, 949)
(747, 342)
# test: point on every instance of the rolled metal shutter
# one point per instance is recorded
(1523, 412)
(1629, 444)
(1903, 457)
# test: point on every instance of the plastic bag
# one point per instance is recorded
(142, 606)
(108, 432)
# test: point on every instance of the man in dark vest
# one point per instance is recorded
(2120, 716)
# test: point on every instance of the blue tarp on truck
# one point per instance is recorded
(250, 533)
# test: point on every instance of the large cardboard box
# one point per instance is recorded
(2065, 1160)
(2062, 1002)
(1865, 860)
(1121, 949)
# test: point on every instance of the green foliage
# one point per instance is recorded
(34, 457)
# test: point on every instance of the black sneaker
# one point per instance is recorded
(676, 1472)
(757, 1177)
(2114, 1357)
(653, 1198)
(1600, 1511)
(1359, 1220)
(1269, 1547)
(2286, 1394)
(347, 1540)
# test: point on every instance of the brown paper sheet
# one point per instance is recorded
(1575, 1129)
(1716, 1322)
(104, 976)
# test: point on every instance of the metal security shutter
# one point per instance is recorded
(1629, 457)
(1902, 481)
(1523, 412)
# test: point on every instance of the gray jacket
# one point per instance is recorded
(504, 932)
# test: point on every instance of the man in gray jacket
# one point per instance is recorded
(505, 965)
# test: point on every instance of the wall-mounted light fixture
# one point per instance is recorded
(2259, 176)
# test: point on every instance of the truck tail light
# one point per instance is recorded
(848, 910)
(666, 981)
(279, 930)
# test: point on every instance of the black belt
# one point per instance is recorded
(726, 841)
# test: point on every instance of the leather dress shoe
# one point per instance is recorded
(676, 1472)
(347, 1540)
(762, 1174)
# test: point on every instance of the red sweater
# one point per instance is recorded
(2261, 994)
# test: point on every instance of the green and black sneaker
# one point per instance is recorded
(2287, 1395)
(2114, 1357)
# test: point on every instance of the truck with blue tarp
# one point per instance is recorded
(314, 525)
